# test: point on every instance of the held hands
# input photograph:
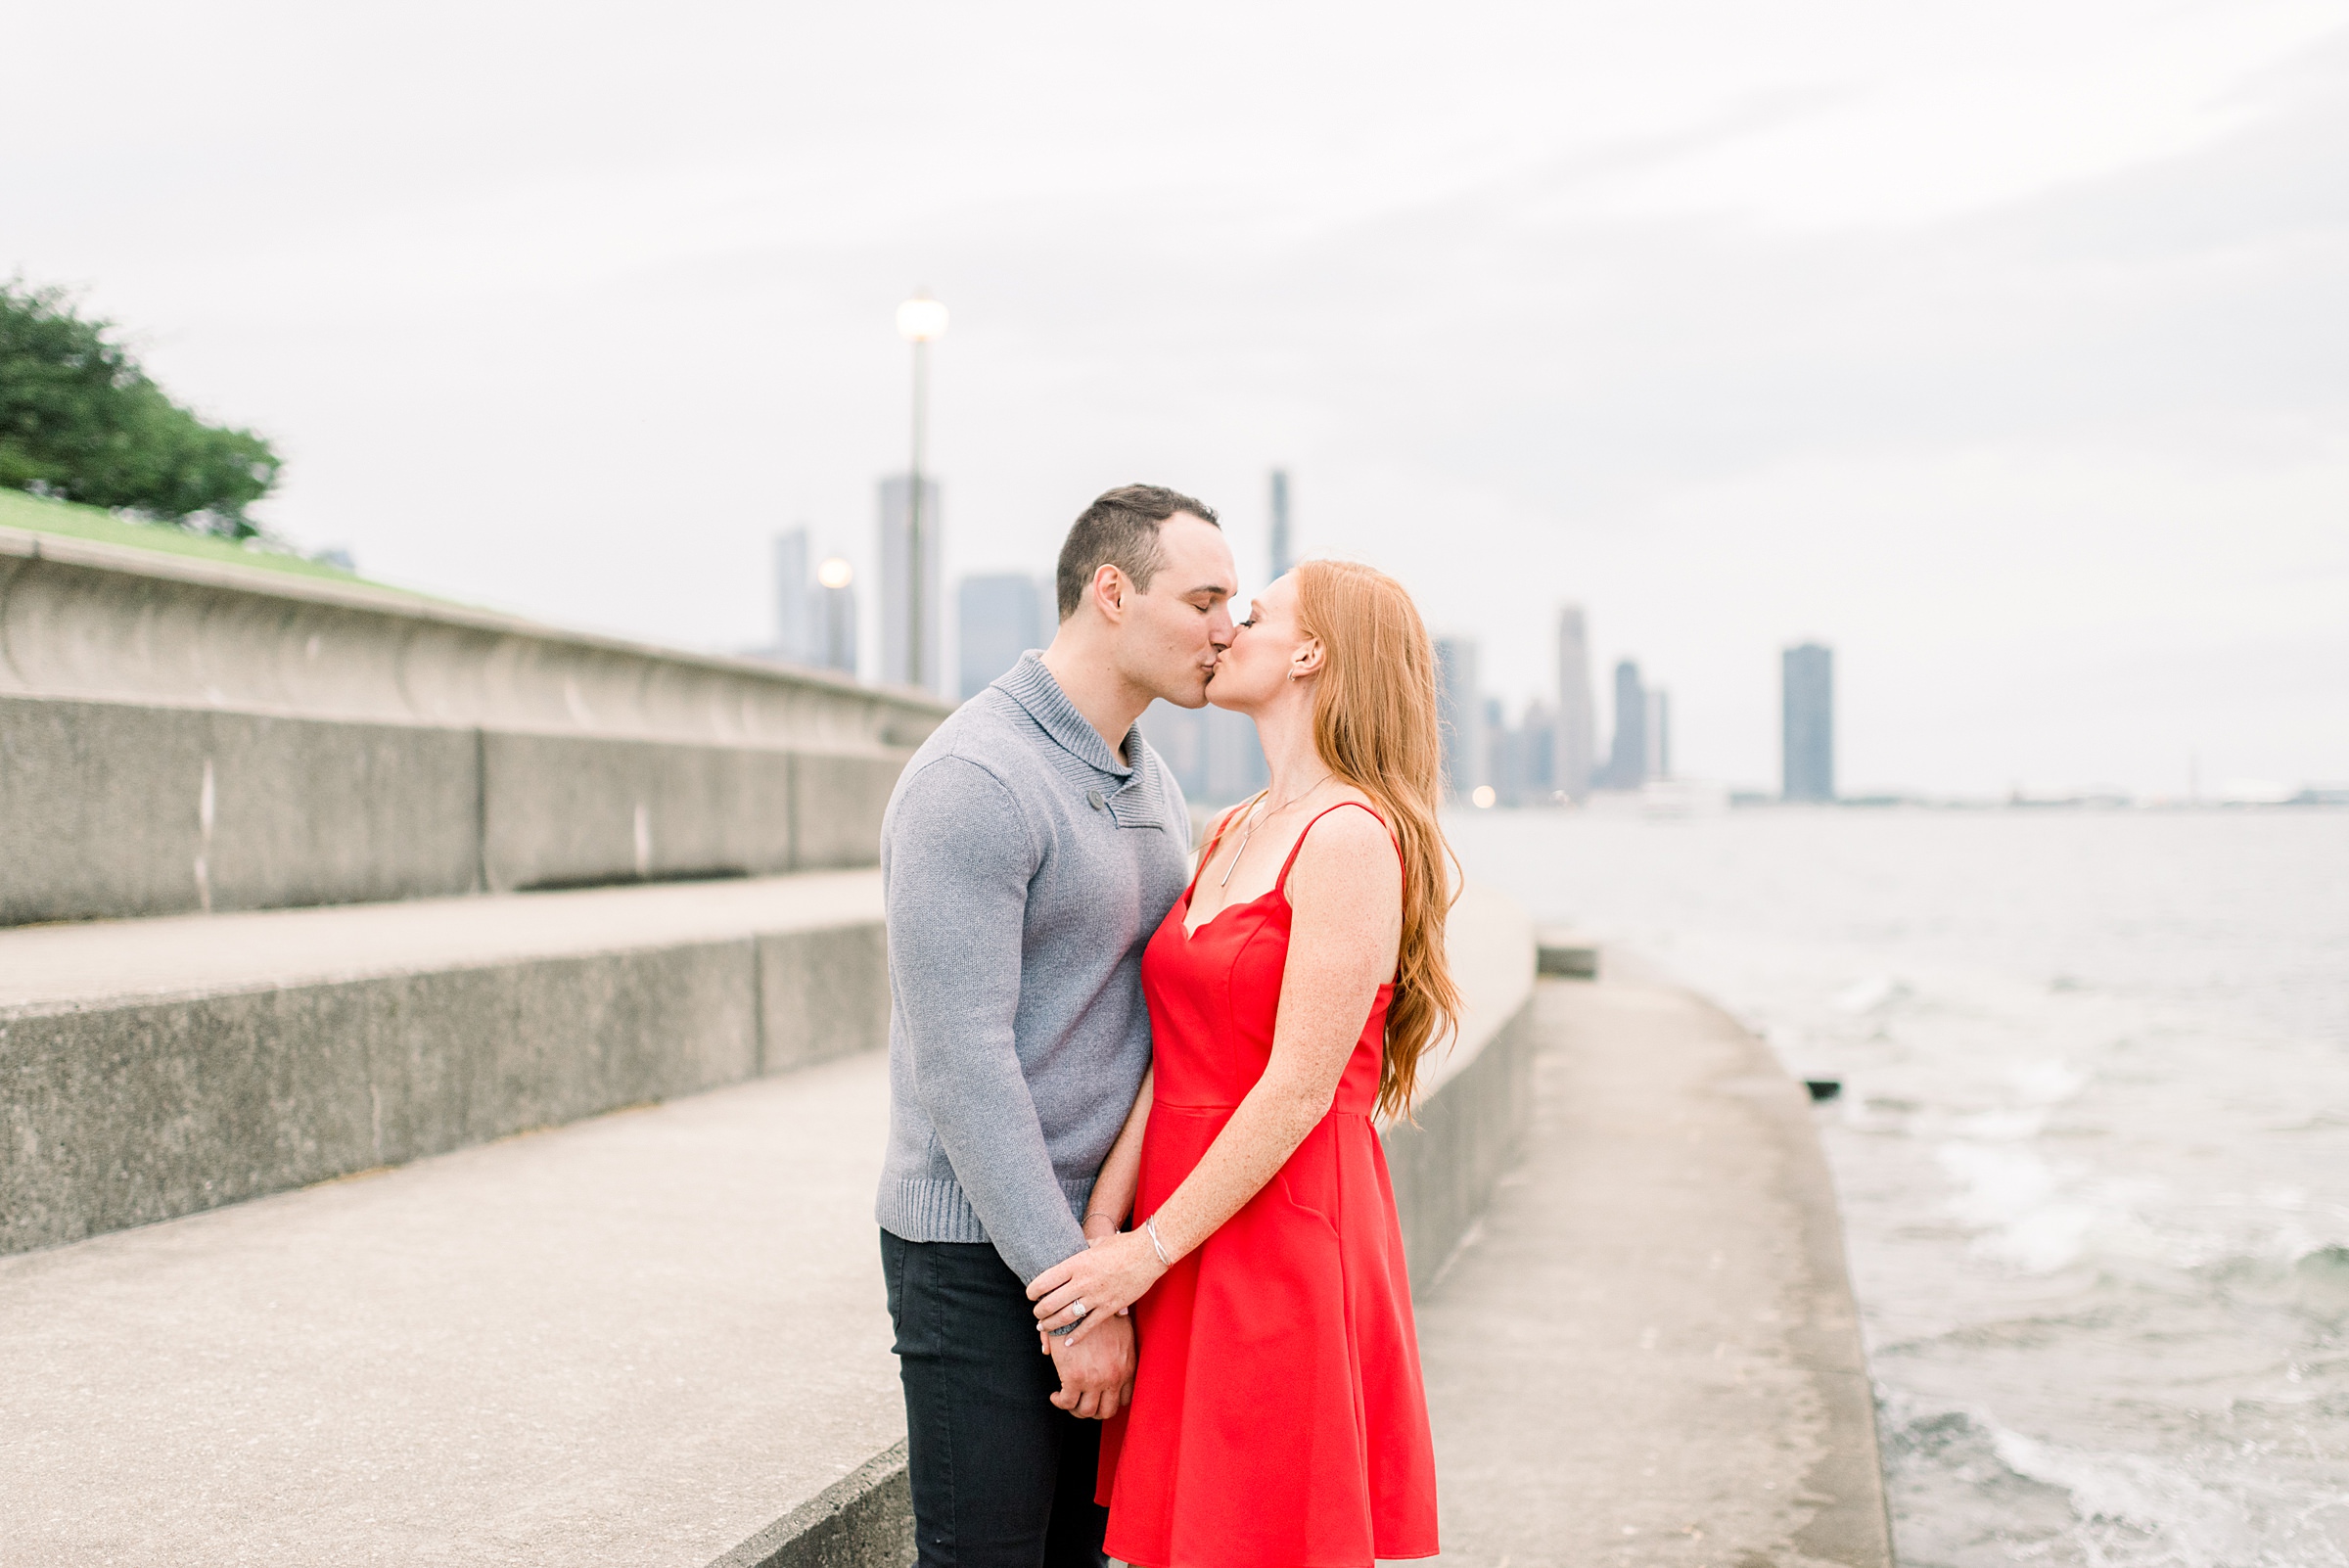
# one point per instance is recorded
(1096, 1377)
(1106, 1278)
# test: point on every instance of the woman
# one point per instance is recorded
(1277, 1415)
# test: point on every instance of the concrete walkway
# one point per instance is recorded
(111, 962)
(1648, 1354)
(636, 1340)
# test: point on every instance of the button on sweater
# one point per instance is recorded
(1023, 868)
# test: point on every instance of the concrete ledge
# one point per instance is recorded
(837, 802)
(115, 810)
(154, 1068)
(107, 623)
(1567, 954)
(182, 734)
(865, 1521)
(568, 810)
(1468, 1136)
(1474, 1097)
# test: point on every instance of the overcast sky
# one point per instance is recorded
(2004, 346)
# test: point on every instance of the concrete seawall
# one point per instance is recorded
(1475, 1105)
(181, 735)
(157, 1068)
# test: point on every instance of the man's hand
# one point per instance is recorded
(1096, 1376)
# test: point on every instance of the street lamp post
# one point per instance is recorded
(921, 321)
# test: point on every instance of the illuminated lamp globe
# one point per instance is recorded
(834, 573)
(1483, 796)
(921, 320)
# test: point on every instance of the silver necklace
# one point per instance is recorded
(1248, 828)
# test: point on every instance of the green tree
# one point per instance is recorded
(79, 420)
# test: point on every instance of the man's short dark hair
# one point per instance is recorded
(1121, 529)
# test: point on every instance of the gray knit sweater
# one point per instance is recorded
(1023, 868)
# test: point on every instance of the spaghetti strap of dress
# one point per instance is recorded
(1282, 881)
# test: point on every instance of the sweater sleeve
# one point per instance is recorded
(960, 856)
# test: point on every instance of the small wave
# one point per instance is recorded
(1868, 996)
(2049, 1082)
(2116, 1509)
(2152, 1512)
(2034, 1218)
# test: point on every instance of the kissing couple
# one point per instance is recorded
(1142, 1252)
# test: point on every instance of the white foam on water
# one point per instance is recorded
(2163, 1515)
(1867, 995)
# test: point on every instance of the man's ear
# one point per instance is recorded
(1110, 590)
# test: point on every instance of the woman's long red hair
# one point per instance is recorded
(1376, 725)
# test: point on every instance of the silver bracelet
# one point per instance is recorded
(1150, 1230)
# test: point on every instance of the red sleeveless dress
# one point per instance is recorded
(1278, 1418)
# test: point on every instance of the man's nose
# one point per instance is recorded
(1218, 628)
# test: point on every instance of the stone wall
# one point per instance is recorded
(179, 735)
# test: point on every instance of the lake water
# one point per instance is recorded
(2092, 1150)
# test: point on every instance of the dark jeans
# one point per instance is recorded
(1000, 1478)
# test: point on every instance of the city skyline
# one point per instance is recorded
(1734, 323)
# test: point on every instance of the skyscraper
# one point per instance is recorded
(1574, 749)
(835, 601)
(1213, 754)
(897, 584)
(1461, 714)
(1658, 734)
(1807, 711)
(1283, 552)
(1521, 756)
(998, 618)
(1180, 741)
(795, 633)
(1235, 767)
(1627, 762)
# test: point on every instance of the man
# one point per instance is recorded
(1031, 849)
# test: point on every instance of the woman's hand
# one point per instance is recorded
(1106, 1278)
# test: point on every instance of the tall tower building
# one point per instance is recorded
(795, 631)
(1235, 767)
(998, 618)
(1180, 741)
(1213, 754)
(1573, 746)
(1283, 551)
(1627, 762)
(835, 602)
(1461, 714)
(1808, 714)
(898, 586)
(1658, 734)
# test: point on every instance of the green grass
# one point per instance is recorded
(39, 515)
